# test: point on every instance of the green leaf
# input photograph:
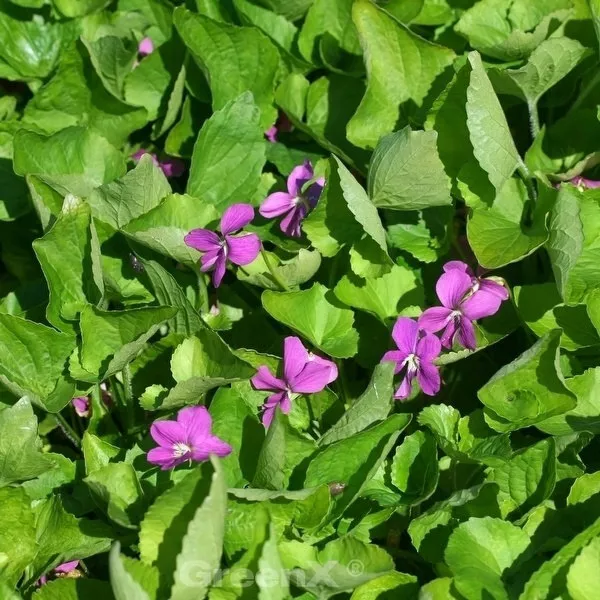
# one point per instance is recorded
(139, 191)
(315, 315)
(528, 390)
(327, 20)
(75, 96)
(234, 60)
(31, 46)
(393, 77)
(541, 308)
(586, 415)
(113, 58)
(552, 60)
(69, 254)
(167, 522)
(73, 589)
(18, 545)
(75, 160)
(79, 8)
(498, 234)
(354, 460)
(415, 467)
(21, 457)
(497, 27)
(96, 452)
(62, 538)
(117, 491)
(401, 585)
(526, 479)
(199, 364)
(395, 294)
(271, 578)
(492, 141)
(372, 406)
(479, 552)
(187, 320)
(164, 227)
(124, 585)
(406, 172)
(111, 340)
(540, 582)
(573, 242)
(202, 544)
(229, 154)
(583, 577)
(32, 361)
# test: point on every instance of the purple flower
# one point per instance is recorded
(303, 373)
(187, 438)
(585, 184)
(271, 134)
(81, 404)
(171, 166)
(461, 306)
(415, 355)
(480, 283)
(61, 569)
(295, 204)
(283, 125)
(145, 47)
(218, 249)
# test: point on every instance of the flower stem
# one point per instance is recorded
(534, 119)
(203, 289)
(128, 392)
(69, 432)
(274, 275)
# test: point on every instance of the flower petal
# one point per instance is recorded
(480, 304)
(285, 404)
(428, 347)
(295, 357)
(209, 259)
(313, 193)
(298, 177)
(163, 457)
(243, 249)
(314, 377)
(276, 204)
(203, 240)
(270, 406)
(196, 421)
(268, 416)
(458, 265)
(466, 334)
(67, 567)
(428, 377)
(219, 271)
(405, 388)
(405, 334)
(449, 332)
(172, 167)
(145, 47)
(167, 433)
(434, 319)
(212, 445)
(236, 217)
(326, 364)
(452, 286)
(265, 380)
(493, 287)
(271, 134)
(291, 223)
(397, 357)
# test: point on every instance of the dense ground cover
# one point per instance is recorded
(299, 298)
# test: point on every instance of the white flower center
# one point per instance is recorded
(412, 362)
(181, 449)
(455, 314)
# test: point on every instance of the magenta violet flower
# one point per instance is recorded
(219, 249)
(60, 570)
(415, 355)
(283, 125)
(170, 165)
(295, 204)
(271, 134)
(303, 373)
(145, 47)
(488, 285)
(187, 438)
(585, 184)
(81, 404)
(461, 306)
